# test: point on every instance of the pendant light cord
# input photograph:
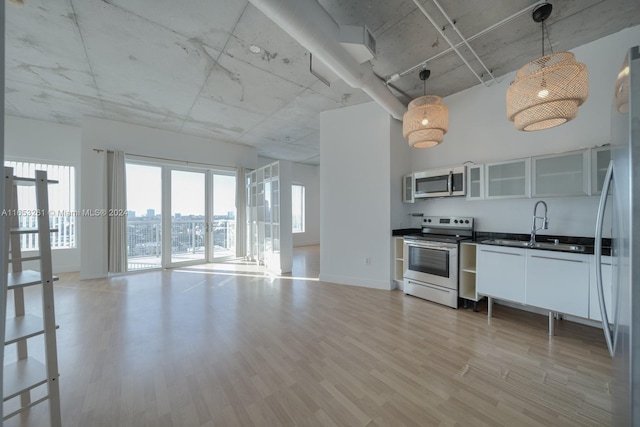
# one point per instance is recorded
(542, 28)
(424, 87)
(546, 29)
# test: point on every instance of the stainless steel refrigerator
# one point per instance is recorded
(621, 322)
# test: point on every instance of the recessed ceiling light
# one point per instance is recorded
(254, 48)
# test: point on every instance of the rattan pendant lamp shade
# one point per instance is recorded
(426, 120)
(547, 91)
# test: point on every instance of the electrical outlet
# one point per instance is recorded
(367, 260)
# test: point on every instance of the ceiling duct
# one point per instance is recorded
(311, 26)
(358, 41)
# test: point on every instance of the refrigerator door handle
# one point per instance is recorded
(598, 257)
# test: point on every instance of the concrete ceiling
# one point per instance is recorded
(188, 66)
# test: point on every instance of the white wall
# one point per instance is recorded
(479, 131)
(400, 158)
(355, 219)
(38, 141)
(137, 140)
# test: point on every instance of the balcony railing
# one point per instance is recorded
(188, 240)
(65, 237)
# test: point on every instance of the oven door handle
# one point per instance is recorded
(424, 245)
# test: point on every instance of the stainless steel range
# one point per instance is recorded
(431, 258)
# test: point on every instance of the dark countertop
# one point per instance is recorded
(480, 236)
(405, 231)
(587, 242)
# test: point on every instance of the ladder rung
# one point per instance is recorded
(24, 278)
(28, 182)
(22, 327)
(23, 375)
(24, 408)
(25, 259)
(30, 230)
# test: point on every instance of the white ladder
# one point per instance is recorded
(28, 374)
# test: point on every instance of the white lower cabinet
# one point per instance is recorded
(501, 272)
(558, 282)
(607, 280)
(554, 281)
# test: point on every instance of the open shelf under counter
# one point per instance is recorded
(398, 257)
(467, 277)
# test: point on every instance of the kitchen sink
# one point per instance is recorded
(538, 245)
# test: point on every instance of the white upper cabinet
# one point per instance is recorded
(475, 182)
(408, 191)
(565, 174)
(506, 180)
(574, 173)
(600, 158)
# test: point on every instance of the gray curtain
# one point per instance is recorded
(241, 209)
(117, 210)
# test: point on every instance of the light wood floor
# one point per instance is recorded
(207, 346)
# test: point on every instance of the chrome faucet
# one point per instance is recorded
(545, 222)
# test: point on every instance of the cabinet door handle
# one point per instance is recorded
(557, 259)
(498, 252)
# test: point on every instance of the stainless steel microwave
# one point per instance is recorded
(440, 183)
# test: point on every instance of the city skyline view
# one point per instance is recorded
(144, 192)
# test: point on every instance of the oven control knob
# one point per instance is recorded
(455, 221)
(429, 220)
(466, 221)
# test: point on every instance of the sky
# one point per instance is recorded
(144, 191)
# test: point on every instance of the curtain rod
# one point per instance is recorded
(186, 162)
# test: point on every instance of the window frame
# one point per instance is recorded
(73, 201)
(302, 207)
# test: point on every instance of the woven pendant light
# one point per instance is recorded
(426, 120)
(547, 91)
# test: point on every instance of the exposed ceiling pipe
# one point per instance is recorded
(510, 18)
(444, 36)
(453, 25)
(312, 26)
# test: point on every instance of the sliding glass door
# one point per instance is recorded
(179, 216)
(188, 201)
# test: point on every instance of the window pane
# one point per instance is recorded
(62, 204)
(297, 203)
